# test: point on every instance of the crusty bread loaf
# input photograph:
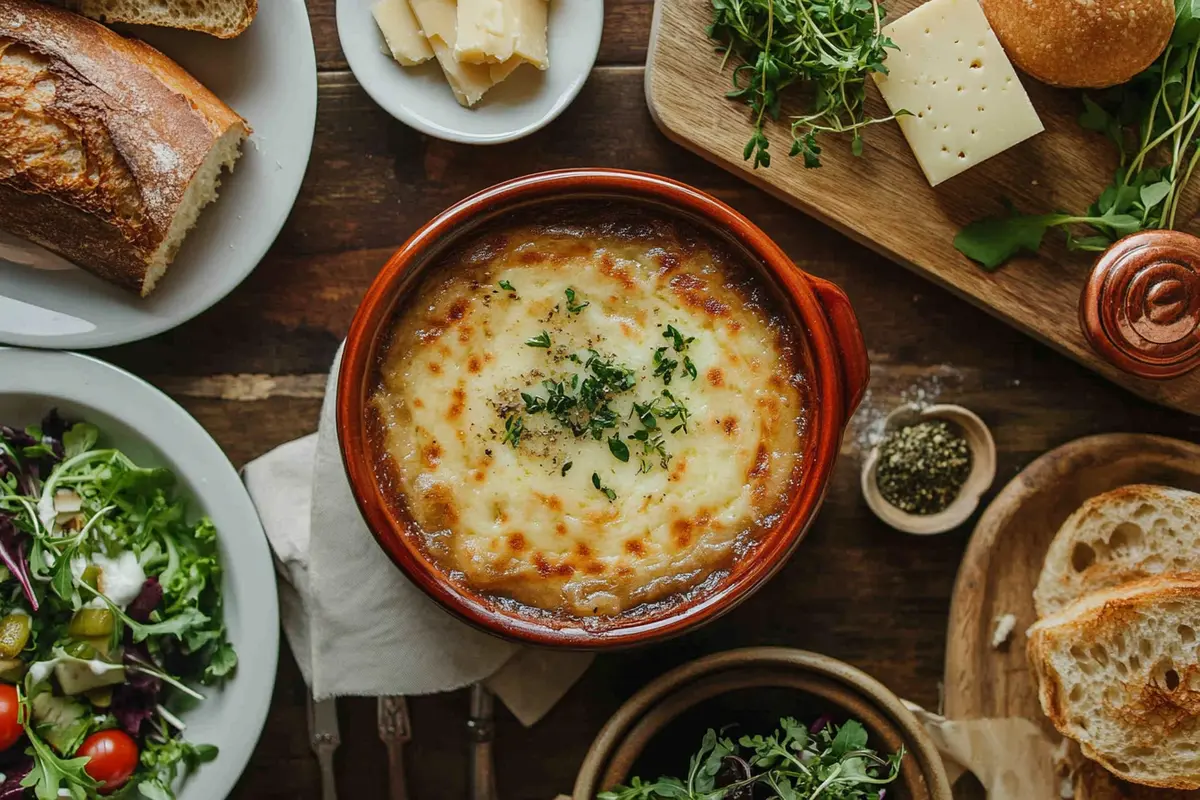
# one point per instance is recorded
(1123, 535)
(108, 149)
(223, 18)
(1119, 672)
(1082, 43)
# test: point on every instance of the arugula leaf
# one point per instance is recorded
(995, 240)
(80, 438)
(50, 772)
(851, 736)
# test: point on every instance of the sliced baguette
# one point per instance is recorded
(221, 18)
(1126, 534)
(1119, 672)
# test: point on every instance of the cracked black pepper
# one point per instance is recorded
(922, 467)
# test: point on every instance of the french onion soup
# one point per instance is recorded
(589, 418)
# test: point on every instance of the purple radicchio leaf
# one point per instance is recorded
(53, 429)
(146, 601)
(134, 702)
(820, 724)
(14, 773)
(12, 552)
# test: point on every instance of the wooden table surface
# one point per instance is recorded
(252, 370)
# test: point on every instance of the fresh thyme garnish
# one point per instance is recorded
(618, 448)
(506, 286)
(675, 410)
(828, 47)
(678, 340)
(514, 426)
(609, 493)
(567, 468)
(572, 306)
(541, 340)
(664, 367)
(649, 436)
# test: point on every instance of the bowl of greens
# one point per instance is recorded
(763, 723)
(138, 616)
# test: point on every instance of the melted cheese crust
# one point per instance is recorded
(517, 523)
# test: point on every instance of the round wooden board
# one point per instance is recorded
(1004, 559)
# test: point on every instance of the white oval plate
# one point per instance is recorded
(151, 429)
(269, 76)
(526, 101)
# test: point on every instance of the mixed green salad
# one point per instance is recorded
(110, 616)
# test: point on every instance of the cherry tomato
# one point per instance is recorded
(10, 729)
(112, 758)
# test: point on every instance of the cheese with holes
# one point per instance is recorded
(964, 99)
(505, 421)
(439, 21)
(404, 38)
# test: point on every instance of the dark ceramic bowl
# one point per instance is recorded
(656, 731)
(818, 312)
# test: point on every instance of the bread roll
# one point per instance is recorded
(221, 18)
(1082, 43)
(108, 149)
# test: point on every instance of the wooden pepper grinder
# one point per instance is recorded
(1141, 307)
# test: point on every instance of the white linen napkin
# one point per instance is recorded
(355, 623)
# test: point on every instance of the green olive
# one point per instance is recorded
(14, 635)
(89, 622)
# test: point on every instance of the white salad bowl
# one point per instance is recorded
(153, 430)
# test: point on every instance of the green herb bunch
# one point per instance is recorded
(827, 47)
(1153, 121)
(833, 763)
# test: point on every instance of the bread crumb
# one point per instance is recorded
(1003, 630)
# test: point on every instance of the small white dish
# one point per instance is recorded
(269, 76)
(983, 470)
(526, 101)
(152, 430)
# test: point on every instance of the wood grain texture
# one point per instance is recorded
(856, 590)
(883, 201)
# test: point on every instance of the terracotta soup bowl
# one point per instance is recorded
(832, 358)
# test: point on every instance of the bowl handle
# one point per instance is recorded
(848, 338)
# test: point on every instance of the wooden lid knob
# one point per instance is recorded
(1141, 308)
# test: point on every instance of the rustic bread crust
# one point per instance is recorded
(1082, 43)
(100, 137)
(241, 12)
(1088, 621)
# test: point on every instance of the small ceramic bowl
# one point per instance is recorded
(983, 470)
(816, 310)
(655, 732)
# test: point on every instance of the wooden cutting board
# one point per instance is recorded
(1005, 554)
(883, 201)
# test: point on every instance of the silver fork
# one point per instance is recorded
(482, 729)
(324, 738)
(395, 729)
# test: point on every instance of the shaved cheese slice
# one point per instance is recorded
(404, 39)
(486, 31)
(439, 20)
(965, 101)
(530, 31)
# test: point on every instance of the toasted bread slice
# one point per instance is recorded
(222, 18)
(1119, 672)
(1129, 533)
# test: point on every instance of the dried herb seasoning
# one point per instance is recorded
(923, 467)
